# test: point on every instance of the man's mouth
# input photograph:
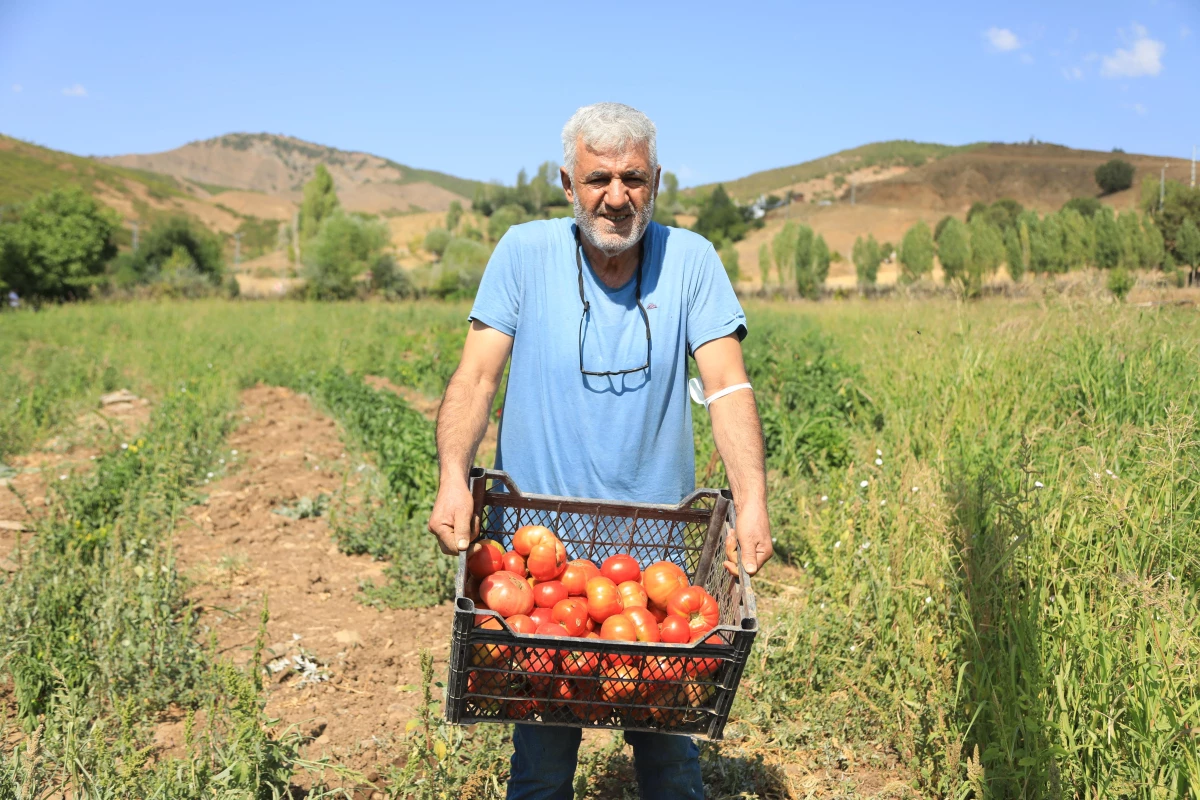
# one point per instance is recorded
(616, 219)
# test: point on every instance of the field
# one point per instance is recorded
(986, 518)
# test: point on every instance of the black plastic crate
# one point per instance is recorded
(503, 676)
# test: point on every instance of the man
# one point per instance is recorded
(600, 313)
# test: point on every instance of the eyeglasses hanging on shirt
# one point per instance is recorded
(587, 307)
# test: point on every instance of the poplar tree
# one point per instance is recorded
(319, 203)
(954, 249)
(916, 252)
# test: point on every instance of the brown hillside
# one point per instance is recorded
(279, 166)
(1040, 176)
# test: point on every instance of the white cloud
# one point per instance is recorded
(1026, 58)
(1002, 40)
(17, 87)
(76, 90)
(1143, 58)
(1072, 73)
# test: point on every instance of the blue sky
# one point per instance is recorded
(482, 90)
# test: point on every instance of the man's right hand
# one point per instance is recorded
(450, 520)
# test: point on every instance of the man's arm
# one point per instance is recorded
(738, 435)
(462, 421)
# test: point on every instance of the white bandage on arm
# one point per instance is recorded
(708, 401)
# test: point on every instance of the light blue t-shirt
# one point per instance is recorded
(625, 437)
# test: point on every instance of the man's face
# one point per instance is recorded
(613, 194)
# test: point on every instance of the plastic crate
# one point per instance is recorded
(503, 676)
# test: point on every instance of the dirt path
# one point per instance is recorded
(239, 550)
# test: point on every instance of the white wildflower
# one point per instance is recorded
(220, 461)
(210, 475)
(928, 600)
(883, 502)
(124, 445)
(1038, 485)
(824, 498)
(863, 485)
(62, 477)
(878, 452)
(234, 452)
(837, 545)
(916, 489)
(866, 545)
(852, 648)
(879, 462)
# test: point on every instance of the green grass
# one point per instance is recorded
(993, 608)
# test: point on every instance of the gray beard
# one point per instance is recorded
(612, 244)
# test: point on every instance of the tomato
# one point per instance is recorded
(484, 557)
(632, 594)
(487, 683)
(547, 560)
(603, 599)
(551, 629)
(521, 623)
(620, 683)
(620, 568)
(546, 594)
(576, 576)
(675, 629)
(471, 589)
(576, 662)
(592, 635)
(661, 579)
(542, 615)
(506, 594)
(514, 562)
(696, 606)
(664, 668)
(704, 667)
(527, 536)
(671, 702)
(572, 614)
(618, 627)
(490, 655)
(644, 625)
(658, 611)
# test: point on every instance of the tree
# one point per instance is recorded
(719, 218)
(978, 207)
(58, 245)
(783, 247)
(165, 238)
(345, 247)
(1004, 213)
(811, 271)
(670, 187)
(954, 249)
(389, 280)
(987, 251)
(866, 258)
(1012, 255)
(319, 203)
(1114, 176)
(1187, 245)
(729, 258)
(941, 226)
(453, 215)
(764, 264)
(1179, 203)
(820, 260)
(1077, 239)
(916, 252)
(1153, 250)
(436, 241)
(1087, 206)
(1046, 247)
(802, 255)
(1106, 239)
(1131, 239)
(504, 218)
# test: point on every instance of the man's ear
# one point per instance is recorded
(657, 178)
(566, 184)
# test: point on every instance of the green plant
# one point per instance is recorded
(1120, 281)
(1114, 175)
(164, 241)
(866, 258)
(954, 249)
(345, 248)
(319, 204)
(916, 252)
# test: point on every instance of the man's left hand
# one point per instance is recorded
(753, 533)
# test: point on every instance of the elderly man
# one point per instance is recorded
(599, 314)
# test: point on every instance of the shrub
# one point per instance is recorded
(1106, 239)
(1120, 281)
(866, 258)
(453, 215)
(504, 218)
(436, 241)
(987, 251)
(954, 248)
(719, 218)
(1012, 255)
(916, 252)
(1087, 206)
(57, 247)
(729, 259)
(1114, 176)
(344, 248)
(163, 241)
(390, 280)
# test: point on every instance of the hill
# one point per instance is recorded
(279, 166)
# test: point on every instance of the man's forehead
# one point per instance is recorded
(624, 159)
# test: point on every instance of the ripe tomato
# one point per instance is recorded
(572, 614)
(506, 594)
(547, 559)
(527, 536)
(704, 667)
(664, 668)
(620, 683)
(551, 629)
(576, 575)
(632, 594)
(696, 606)
(603, 599)
(471, 589)
(658, 611)
(514, 562)
(675, 629)
(522, 623)
(618, 627)
(487, 683)
(579, 663)
(645, 627)
(542, 615)
(661, 579)
(620, 568)
(490, 655)
(484, 557)
(546, 594)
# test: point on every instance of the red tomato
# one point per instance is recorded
(542, 615)
(704, 667)
(675, 629)
(514, 562)
(490, 655)
(489, 683)
(592, 635)
(620, 683)
(550, 629)
(658, 611)
(618, 627)
(620, 568)
(522, 623)
(506, 594)
(576, 576)
(632, 594)
(661, 579)
(471, 589)
(696, 606)
(527, 536)
(603, 599)
(572, 614)
(484, 557)
(664, 668)
(547, 594)
(575, 662)
(547, 559)
(644, 624)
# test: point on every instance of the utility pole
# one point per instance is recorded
(134, 226)
(237, 248)
(1162, 188)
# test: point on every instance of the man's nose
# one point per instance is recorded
(616, 195)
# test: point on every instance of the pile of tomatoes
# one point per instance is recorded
(537, 590)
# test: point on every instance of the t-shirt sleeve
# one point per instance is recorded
(713, 308)
(498, 301)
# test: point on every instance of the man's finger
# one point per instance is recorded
(445, 535)
(462, 528)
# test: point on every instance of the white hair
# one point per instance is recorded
(608, 126)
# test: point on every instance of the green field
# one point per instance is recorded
(987, 521)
